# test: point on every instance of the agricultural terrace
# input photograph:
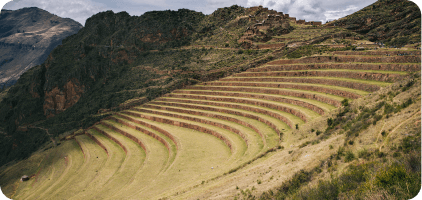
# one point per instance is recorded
(182, 140)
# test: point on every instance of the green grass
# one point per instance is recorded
(69, 169)
(198, 152)
(135, 158)
(326, 107)
(238, 145)
(359, 92)
(334, 97)
(270, 135)
(94, 160)
(294, 119)
(369, 82)
(342, 70)
(309, 114)
(172, 146)
(254, 139)
(280, 125)
(115, 158)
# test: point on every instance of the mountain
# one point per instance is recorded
(393, 22)
(27, 36)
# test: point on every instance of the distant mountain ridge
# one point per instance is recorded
(393, 22)
(27, 36)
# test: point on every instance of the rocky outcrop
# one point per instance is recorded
(58, 100)
(27, 36)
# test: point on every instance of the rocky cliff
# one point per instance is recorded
(27, 36)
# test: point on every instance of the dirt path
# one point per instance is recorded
(378, 137)
(395, 128)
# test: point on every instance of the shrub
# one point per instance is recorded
(364, 154)
(383, 133)
(330, 121)
(396, 177)
(318, 132)
(345, 102)
(297, 126)
(349, 156)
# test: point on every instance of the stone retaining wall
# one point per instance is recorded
(244, 101)
(242, 107)
(96, 141)
(80, 146)
(246, 95)
(199, 120)
(343, 74)
(183, 125)
(162, 131)
(351, 66)
(222, 117)
(271, 91)
(270, 46)
(368, 59)
(128, 135)
(352, 85)
(111, 138)
(341, 93)
(376, 52)
(164, 142)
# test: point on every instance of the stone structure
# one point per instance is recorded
(235, 106)
(293, 86)
(25, 178)
(352, 85)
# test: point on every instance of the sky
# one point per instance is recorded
(80, 10)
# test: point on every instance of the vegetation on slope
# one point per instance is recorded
(393, 22)
(390, 171)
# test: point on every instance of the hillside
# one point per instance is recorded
(393, 22)
(27, 36)
(181, 105)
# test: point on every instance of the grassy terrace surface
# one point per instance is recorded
(116, 157)
(266, 132)
(251, 138)
(288, 87)
(134, 161)
(295, 79)
(235, 108)
(335, 70)
(405, 67)
(317, 106)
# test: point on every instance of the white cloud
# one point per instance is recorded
(336, 14)
(78, 10)
(313, 10)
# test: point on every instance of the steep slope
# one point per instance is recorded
(115, 57)
(27, 36)
(393, 22)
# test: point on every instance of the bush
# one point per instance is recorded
(318, 132)
(349, 156)
(364, 154)
(330, 121)
(297, 126)
(396, 177)
(345, 102)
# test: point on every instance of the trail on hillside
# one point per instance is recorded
(398, 126)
